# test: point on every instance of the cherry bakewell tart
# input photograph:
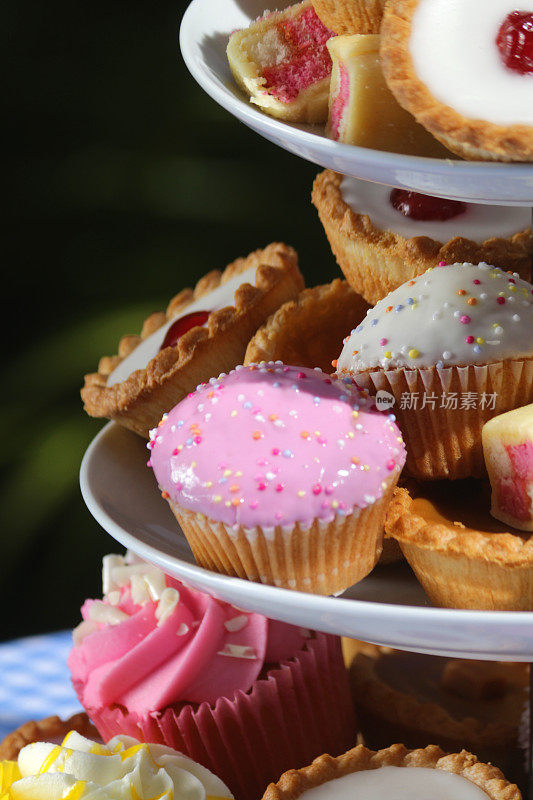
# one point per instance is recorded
(307, 331)
(455, 703)
(382, 237)
(462, 556)
(203, 331)
(465, 72)
(282, 63)
(350, 16)
(376, 774)
(362, 108)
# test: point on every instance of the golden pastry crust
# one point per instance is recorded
(45, 730)
(473, 139)
(462, 568)
(308, 331)
(393, 707)
(311, 105)
(325, 768)
(350, 16)
(139, 402)
(375, 262)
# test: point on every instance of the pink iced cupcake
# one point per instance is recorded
(245, 696)
(280, 474)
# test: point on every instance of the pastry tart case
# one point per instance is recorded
(388, 607)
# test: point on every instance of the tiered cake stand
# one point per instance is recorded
(388, 607)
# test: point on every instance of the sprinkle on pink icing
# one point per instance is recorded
(305, 37)
(205, 649)
(340, 102)
(326, 432)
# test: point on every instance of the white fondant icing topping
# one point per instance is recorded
(146, 350)
(451, 315)
(454, 52)
(478, 222)
(398, 783)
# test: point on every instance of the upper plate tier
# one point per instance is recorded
(388, 607)
(204, 34)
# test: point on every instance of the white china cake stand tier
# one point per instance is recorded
(204, 34)
(387, 608)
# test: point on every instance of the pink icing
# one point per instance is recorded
(309, 61)
(340, 102)
(274, 445)
(146, 667)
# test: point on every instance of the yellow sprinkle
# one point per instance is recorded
(49, 760)
(227, 473)
(355, 414)
(217, 498)
(413, 306)
(334, 503)
(480, 340)
(350, 434)
(208, 484)
(227, 503)
(512, 288)
(413, 353)
(193, 465)
(301, 493)
(366, 467)
(388, 354)
(233, 413)
(238, 474)
(76, 791)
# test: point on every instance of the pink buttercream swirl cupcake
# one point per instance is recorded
(280, 474)
(167, 664)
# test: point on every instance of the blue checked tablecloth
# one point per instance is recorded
(34, 680)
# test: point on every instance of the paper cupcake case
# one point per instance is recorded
(446, 442)
(300, 710)
(324, 557)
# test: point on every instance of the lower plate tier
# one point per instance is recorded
(387, 608)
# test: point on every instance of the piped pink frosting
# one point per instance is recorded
(203, 650)
(274, 445)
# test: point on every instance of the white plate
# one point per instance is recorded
(204, 35)
(387, 608)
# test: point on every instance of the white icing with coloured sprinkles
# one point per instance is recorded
(397, 783)
(452, 315)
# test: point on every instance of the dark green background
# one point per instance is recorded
(124, 183)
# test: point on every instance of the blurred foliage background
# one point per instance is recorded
(124, 183)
